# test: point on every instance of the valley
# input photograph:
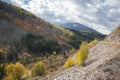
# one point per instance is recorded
(31, 48)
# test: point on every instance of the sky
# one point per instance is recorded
(101, 15)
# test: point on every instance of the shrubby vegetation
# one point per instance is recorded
(69, 63)
(93, 42)
(15, 71)
(2, 71)
(8, 55)
(38, 69)
(12, 55)
(81, 36)
(82, 53)
(81, 56)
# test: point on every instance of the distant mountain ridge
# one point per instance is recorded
(77, 26)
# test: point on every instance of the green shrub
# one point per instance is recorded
(12, 55)
(8, 55)
(38, 69)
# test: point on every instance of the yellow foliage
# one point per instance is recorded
(54, 53)
(19, 70)
(82, 53)
(15, 71)
(72, 50)
(118, 29)
(65, 32)
(27, 74)
(81, 67)
(93, 42)
(1, 50)
(69, 63)
(9, 77)
(10, 69)
(38, 69)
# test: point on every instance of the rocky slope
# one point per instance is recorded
(103, 62)
(114, 36)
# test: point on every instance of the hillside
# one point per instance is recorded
(9, 32)
(26, 39)
(102, 64)
(28, 22)
(114, 35)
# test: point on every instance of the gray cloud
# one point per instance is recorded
(101, 15)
